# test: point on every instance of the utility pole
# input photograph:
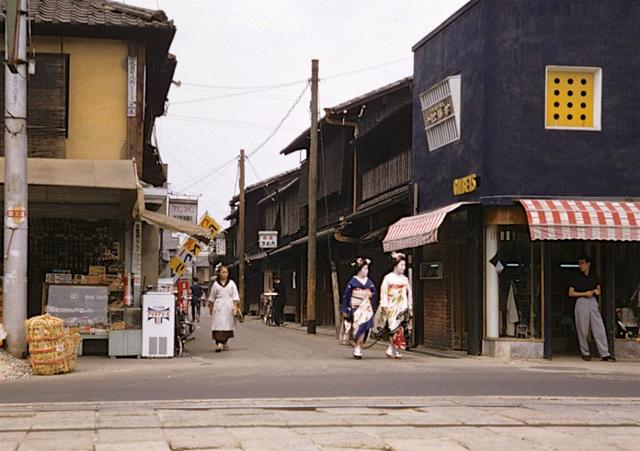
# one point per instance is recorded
(241, 230)
(15, 176)
(313, 194)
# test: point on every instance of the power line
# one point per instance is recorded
(208, 174)
(254, 151)
(275, 130)
(234, 94)
(237, 88)
(219, 122)
(365, 69)
(245, 90)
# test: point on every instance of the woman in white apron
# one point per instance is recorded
(224, 302)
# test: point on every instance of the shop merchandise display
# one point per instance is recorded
(83, 253)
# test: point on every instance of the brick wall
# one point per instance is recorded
(438, 294)
(437, 305)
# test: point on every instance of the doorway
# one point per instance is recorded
(564, 264)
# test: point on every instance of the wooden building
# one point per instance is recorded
(364, 184)
(102, 74)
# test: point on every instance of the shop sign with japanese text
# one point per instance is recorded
(268, 239)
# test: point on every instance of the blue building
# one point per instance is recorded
(526, 134)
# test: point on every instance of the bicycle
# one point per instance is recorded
(267, 315)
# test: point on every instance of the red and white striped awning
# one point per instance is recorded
(414, 231)
(560, 219)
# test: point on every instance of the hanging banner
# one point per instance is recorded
(136, 263)
(191, 248)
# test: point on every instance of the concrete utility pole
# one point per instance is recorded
(241, 230)
(313, 194)
(15, 177)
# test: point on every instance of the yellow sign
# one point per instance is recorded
(191, 247)
(465, 185)
(209, 223)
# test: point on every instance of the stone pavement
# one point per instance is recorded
(451, 423)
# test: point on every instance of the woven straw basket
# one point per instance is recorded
(52, 348)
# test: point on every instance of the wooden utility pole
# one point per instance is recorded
(313, 194)
(241, 230)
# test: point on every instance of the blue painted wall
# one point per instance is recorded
(501, 48)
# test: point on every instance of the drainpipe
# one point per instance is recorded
(356, 131)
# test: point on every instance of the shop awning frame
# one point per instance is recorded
(418, 230)
(104, 174)
(163, 221)
(582, 219)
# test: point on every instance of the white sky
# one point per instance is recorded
(232, 47)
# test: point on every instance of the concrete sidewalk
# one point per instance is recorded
(455, 423)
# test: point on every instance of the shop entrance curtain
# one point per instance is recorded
(568, 219)
(414, 231)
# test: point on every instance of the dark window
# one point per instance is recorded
(47, 106)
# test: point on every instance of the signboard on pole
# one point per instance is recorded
(191, 248)
(137, 254)
(16, 216)
(132, 89)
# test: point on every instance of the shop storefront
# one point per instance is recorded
(86, 249)
(530, 252)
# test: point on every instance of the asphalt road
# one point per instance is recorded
(278, 362)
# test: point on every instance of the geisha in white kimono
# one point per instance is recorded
(358, 305)
(396, 304)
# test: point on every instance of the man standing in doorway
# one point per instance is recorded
(279, 301)
(585, 286)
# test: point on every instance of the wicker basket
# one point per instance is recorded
(52, 348)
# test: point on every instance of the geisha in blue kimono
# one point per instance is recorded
(359, 305)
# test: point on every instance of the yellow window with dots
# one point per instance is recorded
(571, 98)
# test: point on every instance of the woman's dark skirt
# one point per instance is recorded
(221, 336)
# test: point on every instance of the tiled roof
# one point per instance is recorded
(101, 13)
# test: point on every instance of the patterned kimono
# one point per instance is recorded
(396, 297)
(358, 303)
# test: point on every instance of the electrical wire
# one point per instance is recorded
(219, 122)
(255, 89)
(254, 151)
(238, 88)
(208, 174)
(233, 94)
(275, 130)
(265, 188)
(365, 69)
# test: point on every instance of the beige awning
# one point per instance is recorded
(163, 221)
(106, 174)
(175, 225)
(103, 174)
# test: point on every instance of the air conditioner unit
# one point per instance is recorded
(158, 324)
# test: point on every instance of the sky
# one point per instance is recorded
(243, 67)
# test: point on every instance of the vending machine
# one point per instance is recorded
(158, 324)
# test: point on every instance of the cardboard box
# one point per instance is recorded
(97, 270)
